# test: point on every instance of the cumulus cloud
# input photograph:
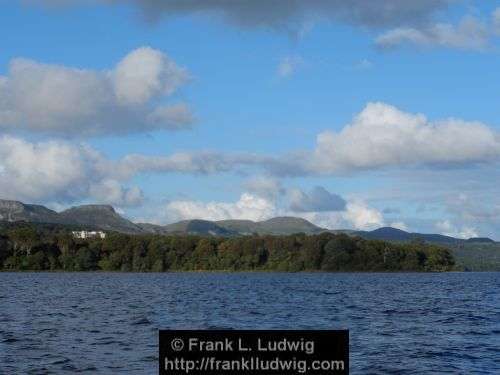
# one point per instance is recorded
(248, 207)
(383, 136)
(61, 172)
(363, 217)
(477, 209)
(111, 191)
(355, 214)
(380, 136)
(265, 186)
(68, 101)
(319, 199)
(290, 14)
(145, 74)
(470, 33)
(448, 229)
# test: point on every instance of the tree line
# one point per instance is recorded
(27, 247)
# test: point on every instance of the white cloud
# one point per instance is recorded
(363, 217)
(61, 172)
(265, 186)
(448, 229)
(380, 136)
(356, 214)
(318, 199)
(383, 136)
(144, 74)
(68, 101)
(111, 191)
(399, 225)
(469, 34)
(248, 207)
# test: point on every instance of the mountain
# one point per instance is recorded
(482, 240)
(101, 216)
(288, 225)
(198, 227)
(277, 225)
(393, 234)
(239, 226)
(92, 216)
(105, 217)
(151, 228)
(18, 211)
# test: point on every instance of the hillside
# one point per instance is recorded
(105, 217)
(198, 227)
(393, 234)
(101, 216)
(277, 225)
(92, 216)
(18, 211)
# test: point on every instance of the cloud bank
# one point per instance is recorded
(67, 101)
(380, 136)
(354, 214)
(319, 199)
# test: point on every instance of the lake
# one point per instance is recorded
(410, 323)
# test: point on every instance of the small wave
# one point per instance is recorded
(141, 322)
(10, 340)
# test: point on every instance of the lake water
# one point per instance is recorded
(107, 322)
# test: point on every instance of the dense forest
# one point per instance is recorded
(28, 247)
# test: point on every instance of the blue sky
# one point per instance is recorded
(260, 83)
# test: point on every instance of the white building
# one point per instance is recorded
(86, 234)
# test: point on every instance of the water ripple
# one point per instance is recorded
(107, 322)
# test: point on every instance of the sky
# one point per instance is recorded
(353, 115)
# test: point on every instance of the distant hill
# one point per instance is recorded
(18, 211)
(278, 225)
(288, 225)
(198, 227)
(150, 228)
(105, 217)
(239, 226)
(92, 216)
(101, 216)
(478, 240)
(393, 234)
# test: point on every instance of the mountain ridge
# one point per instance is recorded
(106, 218)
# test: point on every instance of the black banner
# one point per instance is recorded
(254, 352)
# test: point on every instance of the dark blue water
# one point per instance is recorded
(107, 322)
